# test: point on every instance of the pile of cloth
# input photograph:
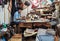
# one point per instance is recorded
(45, 35)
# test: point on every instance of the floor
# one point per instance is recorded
(59, 39)
(32, 39)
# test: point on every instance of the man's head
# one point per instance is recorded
(20, 9)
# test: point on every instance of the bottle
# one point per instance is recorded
(4, 25)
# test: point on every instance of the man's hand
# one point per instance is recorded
(22, 18)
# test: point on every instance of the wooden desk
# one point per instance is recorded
(25, 24)
(31, 24)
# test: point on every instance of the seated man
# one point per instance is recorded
(17, 17)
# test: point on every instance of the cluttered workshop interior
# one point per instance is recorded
(29, 20)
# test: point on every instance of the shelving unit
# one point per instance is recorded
(44, 11)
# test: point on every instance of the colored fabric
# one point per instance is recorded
(43, 36)
(46, 38)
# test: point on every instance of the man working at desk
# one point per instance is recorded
(17, 17)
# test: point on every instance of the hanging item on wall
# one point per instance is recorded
(49, 2)
(0, 2)
(43, 3)
(27, 3)
(52, 0)
(34, 3)
(20, 5)
(3, 1)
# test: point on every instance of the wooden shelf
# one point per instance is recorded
(43, 7)
(46, 14)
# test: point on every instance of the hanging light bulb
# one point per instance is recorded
(2, 3)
